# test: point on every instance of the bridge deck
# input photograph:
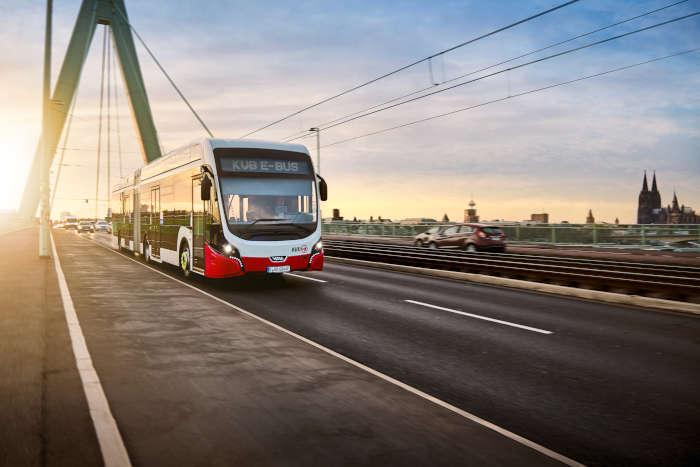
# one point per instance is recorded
(190, 380)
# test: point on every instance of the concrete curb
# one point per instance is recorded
(608, 297)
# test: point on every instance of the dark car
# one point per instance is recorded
(469, 237)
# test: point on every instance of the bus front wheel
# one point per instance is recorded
(185, 260)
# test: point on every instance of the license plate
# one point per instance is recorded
(278, 269)
(495, 238)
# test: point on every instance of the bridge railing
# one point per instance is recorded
(561, 234)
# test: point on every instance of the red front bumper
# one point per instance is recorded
(217, 265)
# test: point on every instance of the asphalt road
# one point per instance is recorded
(602, 384)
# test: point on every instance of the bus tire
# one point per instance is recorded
(146, 251)
(184, 259)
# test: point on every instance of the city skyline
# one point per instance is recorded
(563, 151)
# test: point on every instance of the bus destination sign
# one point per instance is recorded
(264, 166)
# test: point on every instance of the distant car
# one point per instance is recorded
(468, 237)
(70, 223)
(86, 226)
(102, 226)
(423, 239)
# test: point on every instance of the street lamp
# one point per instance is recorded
(318, 148)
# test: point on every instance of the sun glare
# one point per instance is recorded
(16, 153)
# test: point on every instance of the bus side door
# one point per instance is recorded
(154, 227)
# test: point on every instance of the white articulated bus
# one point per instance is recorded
(224, 208)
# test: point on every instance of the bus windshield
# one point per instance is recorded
(271, 206)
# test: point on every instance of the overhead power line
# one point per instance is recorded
(412, 64)
(513, 96)
(322, 126)
(515, 67)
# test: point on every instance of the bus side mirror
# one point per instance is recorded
(322, 188)
(206, 188)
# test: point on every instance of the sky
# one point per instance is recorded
(244, 64)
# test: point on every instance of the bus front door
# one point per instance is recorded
(154, 227)
(199, 224)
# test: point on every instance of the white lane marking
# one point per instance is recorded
(305, 277)
(485, 318)
(469, 416)
(111, 443)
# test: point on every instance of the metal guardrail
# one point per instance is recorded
(669, 281)
(550, 234)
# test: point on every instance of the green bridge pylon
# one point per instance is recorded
(93, 12)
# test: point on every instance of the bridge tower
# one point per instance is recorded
(93, 12)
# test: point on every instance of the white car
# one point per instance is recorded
(102, 226)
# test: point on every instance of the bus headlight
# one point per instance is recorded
(318, 247)
(227, 248)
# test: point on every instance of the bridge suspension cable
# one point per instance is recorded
(63, 149)
(322, 126)
(99, 126)
(108, 50)
(410, 65)
(515, 67)
(116, 108)
(165, 73)
(513, 96)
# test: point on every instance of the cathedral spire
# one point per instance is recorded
(675, 205)
(645, 185)
(590, 219)
(655, 196)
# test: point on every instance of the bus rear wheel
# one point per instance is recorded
(185, 260)
(146, 251)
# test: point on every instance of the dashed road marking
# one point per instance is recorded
(304, 277)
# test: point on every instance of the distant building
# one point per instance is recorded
(445, 218)
(470, 214)
(590, 219)
(542, 217)
(649, 210)
(336, 215)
